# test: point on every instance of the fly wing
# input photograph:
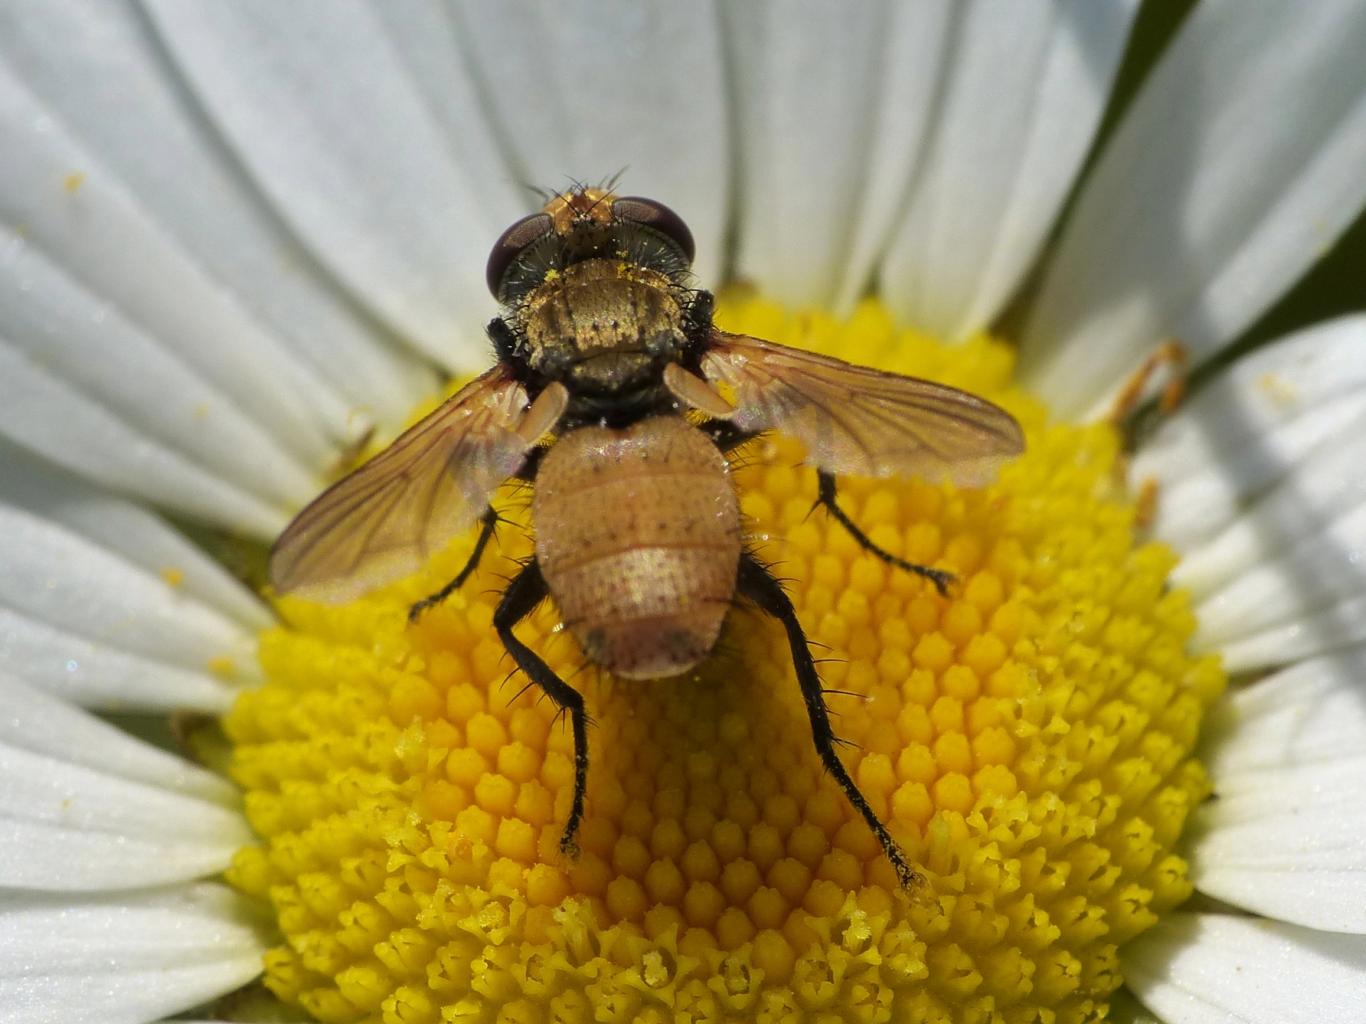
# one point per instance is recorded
(858, 421)
(384, 520)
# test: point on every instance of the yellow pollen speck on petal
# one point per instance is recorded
(1027, 739)
(222, 665)
(1278, 389)
(172, 577)
(72, 182)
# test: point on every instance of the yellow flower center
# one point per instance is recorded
(1027, 740)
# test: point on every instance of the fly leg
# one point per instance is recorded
(725, 435)
(760, 586)
(523, 594)
(939, 577)
(490, 522)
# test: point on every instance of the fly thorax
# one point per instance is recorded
(600, 318)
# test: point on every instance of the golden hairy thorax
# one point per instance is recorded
(602, 320)
(638, 536)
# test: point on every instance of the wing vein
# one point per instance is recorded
(384, 519)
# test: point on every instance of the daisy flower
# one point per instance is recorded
(243, 241)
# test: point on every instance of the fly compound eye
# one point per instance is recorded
(658, 217)
(510, 245)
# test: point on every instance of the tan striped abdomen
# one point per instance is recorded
(638, 537)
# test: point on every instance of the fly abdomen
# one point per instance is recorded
(638, 537)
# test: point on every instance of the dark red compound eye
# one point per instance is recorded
(657, 217)
(510, 245)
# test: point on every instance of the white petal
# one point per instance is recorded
(1289, 412)
(1260, 484)
(1308, 713)
(1286, 836)
(904, 103)
(112, 248)
(1285, 579)
(90, 578)
(1238, 164)
(102, 675)
(1288, 843)
(317, 104)
(1217, 969)
(56, 575)
(1315, 571)
(1321, 489)
(87, 807)
(51, 323)
(49, 415)
(807, 76)
(128, 531)
(120, 849)
(99, 69)
(41, 724)
(437, 50)
(1024, 89)
(125, 958)
(585, 91)
(1308, 632)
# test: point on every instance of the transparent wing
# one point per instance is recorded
(858, 421)
(382, 522)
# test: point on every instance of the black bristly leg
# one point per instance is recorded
(504, 338)
(939, 577)
(490, 522)
(523, 594)
(727, 436)
(760, 586)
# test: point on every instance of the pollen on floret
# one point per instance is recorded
(1026, 738)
